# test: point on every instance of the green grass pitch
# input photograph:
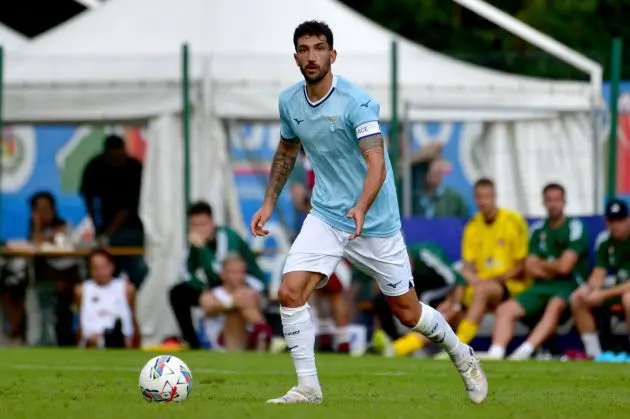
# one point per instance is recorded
(63, 384)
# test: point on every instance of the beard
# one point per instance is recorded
(314, 78)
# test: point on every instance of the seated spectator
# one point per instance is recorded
(494, 248)
(13, 283)
(433, 199)
(106, 306)
(435, 281)
(609, 282)
(558, 260)
(335, 293)
(48, 229)
(208, 247)
(238, 307)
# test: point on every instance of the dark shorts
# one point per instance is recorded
(534, 300)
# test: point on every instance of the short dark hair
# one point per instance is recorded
(484, 181)
(101, 251)
(313, 28)
(200, 208)
(551, 186)
(113, 142)
(43, 195)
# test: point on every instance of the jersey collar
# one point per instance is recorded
(323, 99)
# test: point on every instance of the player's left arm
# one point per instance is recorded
(373, 150)
(363, 115)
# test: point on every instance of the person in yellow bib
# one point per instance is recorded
(494, 248)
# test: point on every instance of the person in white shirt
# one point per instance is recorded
(106, 305)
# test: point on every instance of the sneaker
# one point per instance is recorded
(474, 378)
(299, 395)
(382, 344)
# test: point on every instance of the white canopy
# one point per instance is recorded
(11, 40)
(133, 46)
(121, 61)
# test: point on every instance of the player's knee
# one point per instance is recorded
(556, 305)
(290, 295)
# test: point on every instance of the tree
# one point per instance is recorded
(585, 25)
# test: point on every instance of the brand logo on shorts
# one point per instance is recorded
(389, 284)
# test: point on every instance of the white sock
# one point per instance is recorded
(433, 326)
(496, 351)
(591, 344)
(525, 350)
(299, 334)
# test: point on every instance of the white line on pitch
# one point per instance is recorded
(196, 370)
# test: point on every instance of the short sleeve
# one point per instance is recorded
(363, 116)
(601, 258)
(521, 238)
(286, 131)
(577, 237)
(468, 245)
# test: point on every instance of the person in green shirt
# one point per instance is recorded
(201, 285)
(435, 280)
(609, 282)
(558, 262)
(432, 199)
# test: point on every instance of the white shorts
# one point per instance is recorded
(320, 247)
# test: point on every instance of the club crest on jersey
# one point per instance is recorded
(331, 122)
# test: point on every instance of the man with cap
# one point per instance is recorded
(111, 189)
(609, 282)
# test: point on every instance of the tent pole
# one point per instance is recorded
(615, 80)
(407, 139)
(393, 130)
(1, 129)
(597, 160)
(186, 126)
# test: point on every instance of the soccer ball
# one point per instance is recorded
(165, 379)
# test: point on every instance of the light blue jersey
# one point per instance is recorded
(330, 131)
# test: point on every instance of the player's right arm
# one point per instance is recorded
(281, 166)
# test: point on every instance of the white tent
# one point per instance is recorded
(11, 40)
(121, 61)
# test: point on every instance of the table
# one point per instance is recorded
(79, 252)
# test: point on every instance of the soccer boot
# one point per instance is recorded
(299, 395)
(474, 378)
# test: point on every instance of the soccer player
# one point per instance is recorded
(494, 248)
(558, 260)
(354, 212)
(612, 258)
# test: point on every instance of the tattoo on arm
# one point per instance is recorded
(371, 145)
(373, 151)
(281, 167)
